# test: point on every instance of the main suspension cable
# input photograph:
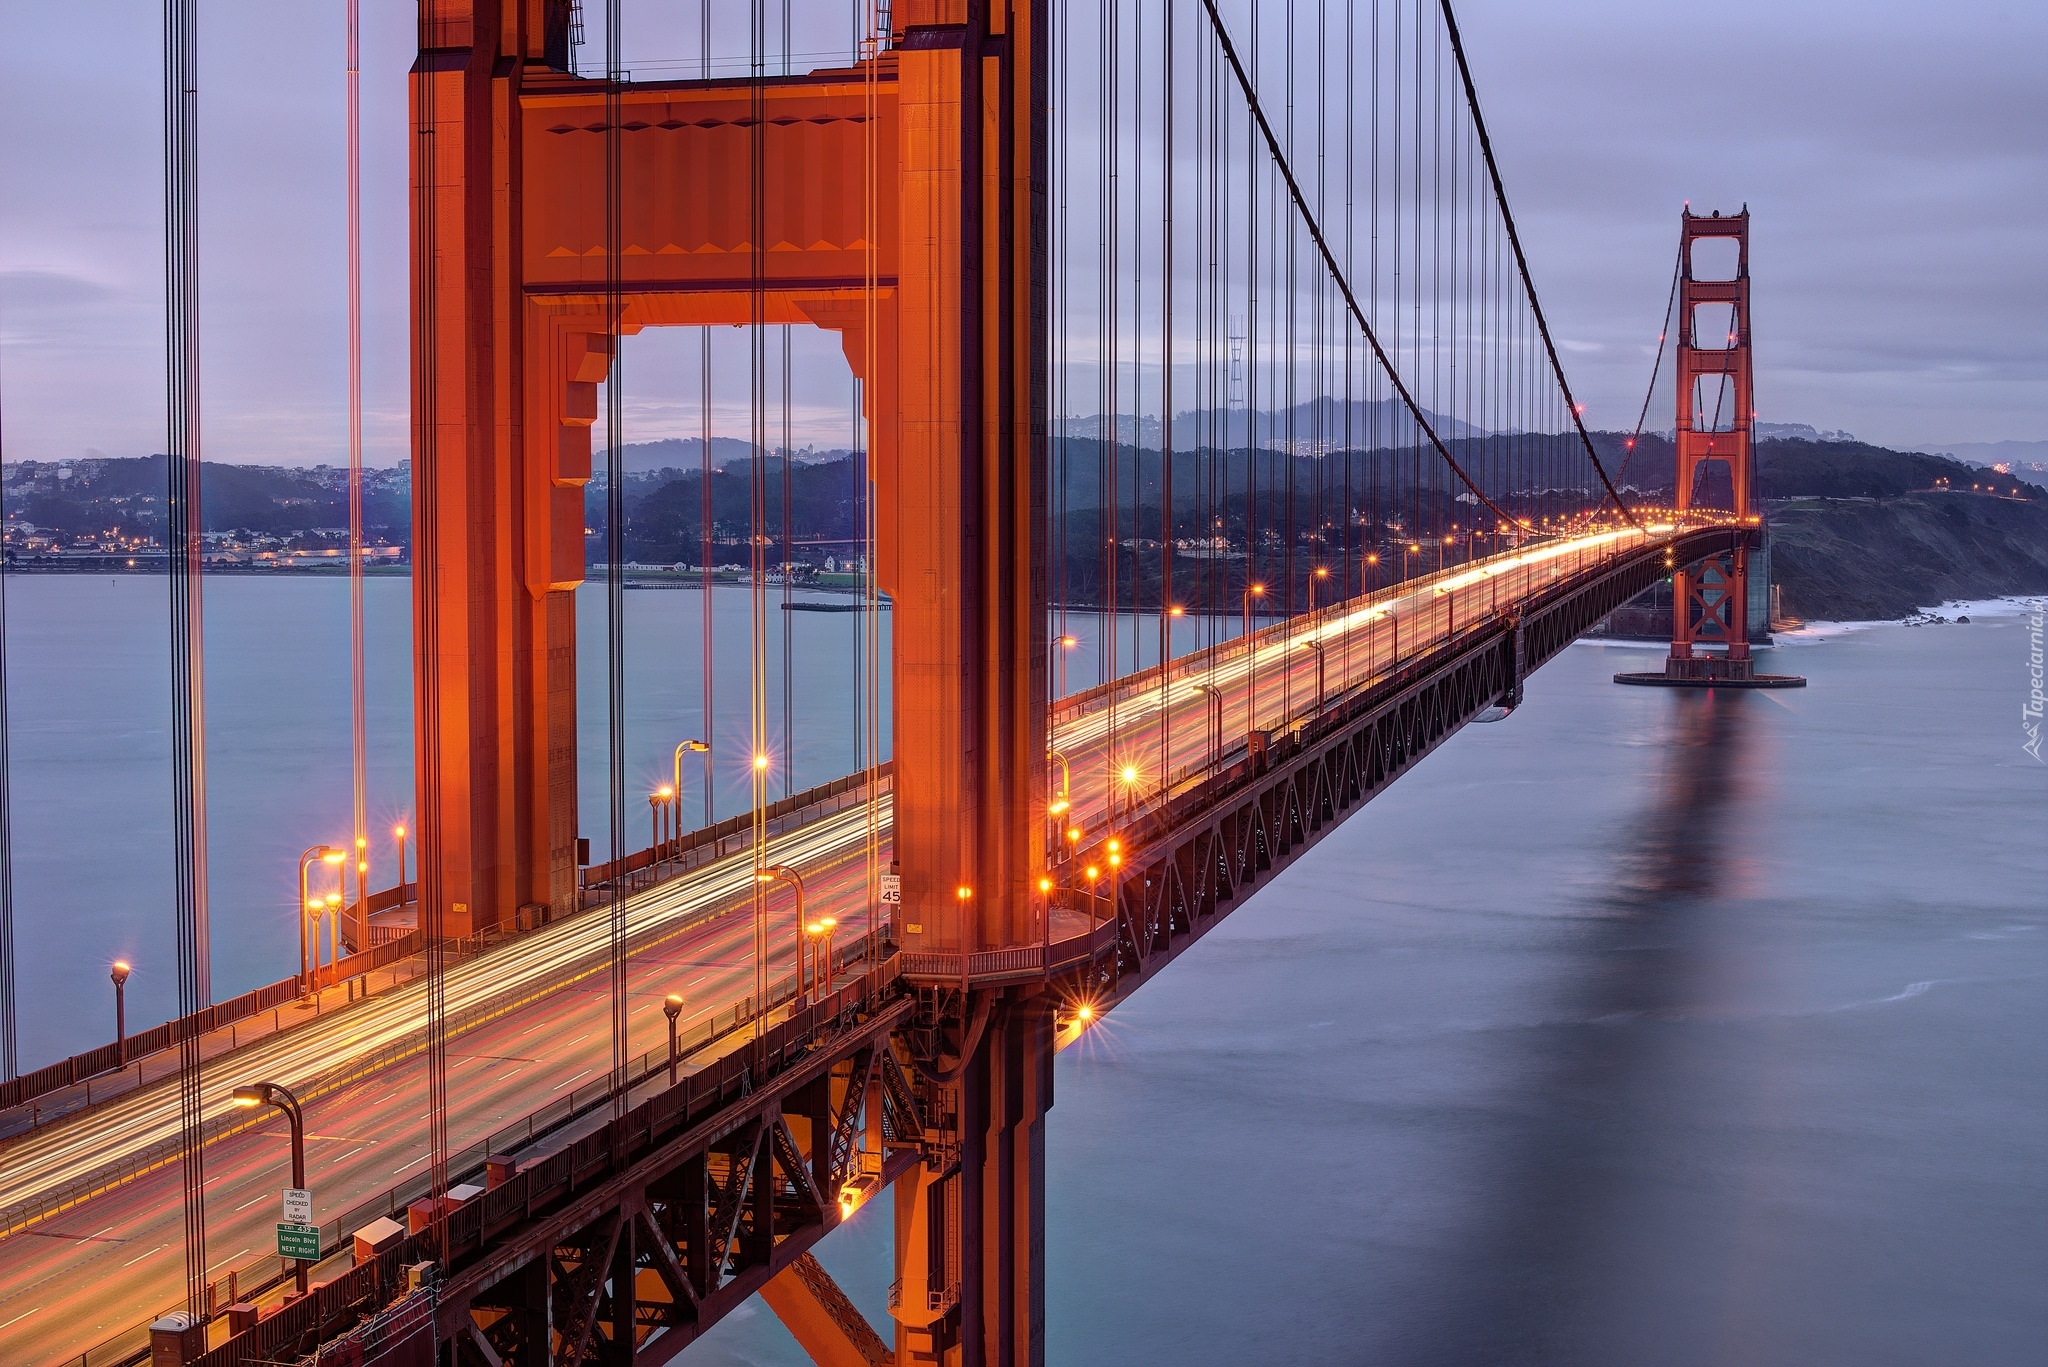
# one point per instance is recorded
(1500, 195)
(1336, 271)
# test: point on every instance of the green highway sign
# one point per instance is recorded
(298, 1241)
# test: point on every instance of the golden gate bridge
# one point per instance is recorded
(1202, 328)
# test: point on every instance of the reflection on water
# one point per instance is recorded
(1642, 1029)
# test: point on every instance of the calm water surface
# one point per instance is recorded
(1642, 1028)
(90, 708)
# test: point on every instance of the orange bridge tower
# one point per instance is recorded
(901, 203)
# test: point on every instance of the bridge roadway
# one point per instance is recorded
(73, 1280)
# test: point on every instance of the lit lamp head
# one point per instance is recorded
(120, 971)
(261, 1094)
(672, 1006)
(328, 856)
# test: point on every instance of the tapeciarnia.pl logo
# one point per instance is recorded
(2030, 712)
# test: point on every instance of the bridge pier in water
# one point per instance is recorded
(1710, 600)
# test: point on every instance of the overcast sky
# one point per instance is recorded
(1895, 157)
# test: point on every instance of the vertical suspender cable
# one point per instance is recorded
(1166, 396)
(788, 655)
(1338, 277)
(359, 754)
(705, 572)
(10, 1055)
(433, 904)
(875, 36)
(184, 525)
(757, 438)
(1507, 219)
(615, 541)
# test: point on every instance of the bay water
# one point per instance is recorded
(1641, 1028)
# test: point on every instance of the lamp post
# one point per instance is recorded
(1321, 576)
(271, 1094)
(654, 802)
(672, 1007)
(1317, 647)
(692, 747)
(1372, 560)
(1058, 644)
(1251, 661)
(308, 908)
(1215, 696)
(398, 832)
(120, 976)
(814, 932)
(782, 873)
(333, 931)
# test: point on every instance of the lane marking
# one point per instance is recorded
(140, 1256)
(22, 1316)
(567, 1081)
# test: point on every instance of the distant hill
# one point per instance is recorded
(687, 453)
(94, 497)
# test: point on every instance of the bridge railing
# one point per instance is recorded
(348, 1286)
(267, 1273)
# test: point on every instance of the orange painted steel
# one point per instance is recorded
(511, 168)
(1710, 602)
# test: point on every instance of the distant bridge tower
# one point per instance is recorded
(1716, 423)
(1710, 599)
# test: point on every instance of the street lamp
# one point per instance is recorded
(672, 1007)
(1317, 647)
(1215, 696)
(1321, 576)
(399, 833)
(692, 747)
(120, 976)
(1058, 644)
(1251, 591)
(308, 908)
(333, 930)
(657, 801)
(782, 873)
(1373, 560)
(1251, 664)
(819, 933)
(271, 1094)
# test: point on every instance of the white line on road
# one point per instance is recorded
(567, 1081)
(140, 1256)
(22, 1316)
(230, 1258)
